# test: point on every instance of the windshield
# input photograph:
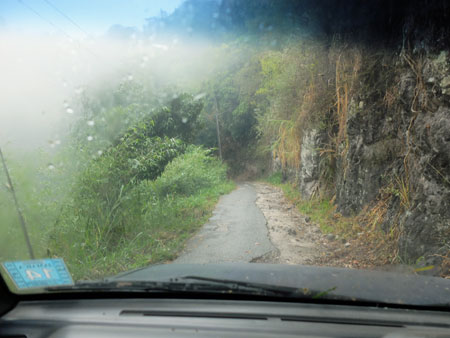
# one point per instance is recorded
(233, 133)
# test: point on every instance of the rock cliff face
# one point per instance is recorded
(406, 145)
(309, 174)
(397, 139)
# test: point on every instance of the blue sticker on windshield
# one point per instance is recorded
(38, 273)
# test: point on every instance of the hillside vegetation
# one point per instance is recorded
(345, 103)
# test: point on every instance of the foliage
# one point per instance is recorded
(231, 95)
(190, 172)
(276, 178)
(158, 216)
(105, 200)
(179, 119)
(100, 197)
(33, 191)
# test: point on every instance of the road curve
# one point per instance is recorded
(236, 232)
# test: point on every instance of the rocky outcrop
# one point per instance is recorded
(373, 148)
(392, 139)
(407, 147)
(309, 173)
(426, 224)
(403, 148)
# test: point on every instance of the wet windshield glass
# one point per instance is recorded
(295, 133)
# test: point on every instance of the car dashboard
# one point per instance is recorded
(214, 318)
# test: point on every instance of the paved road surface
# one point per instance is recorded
(236, 232)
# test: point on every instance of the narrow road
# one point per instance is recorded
(236, 232)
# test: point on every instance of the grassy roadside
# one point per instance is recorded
(321, 210)
(359, 241)
(173, 222)
(160, 216)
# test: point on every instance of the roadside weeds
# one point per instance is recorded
(312, 233)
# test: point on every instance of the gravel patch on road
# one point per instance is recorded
(297, 240)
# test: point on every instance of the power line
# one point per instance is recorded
(55, 26)
(59, 28)
(46, 20)
(67, 17)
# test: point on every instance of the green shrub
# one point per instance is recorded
(149, 220)
(276, 178)
(191, 172)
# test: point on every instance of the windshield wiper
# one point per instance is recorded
(265, 289)
(197, 284)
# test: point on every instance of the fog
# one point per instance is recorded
(43, 77)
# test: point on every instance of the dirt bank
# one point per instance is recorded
(298, 241)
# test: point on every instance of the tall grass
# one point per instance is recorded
(32, 181)
(158, 217)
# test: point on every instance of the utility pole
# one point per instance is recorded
(21, 219)
(216, 108)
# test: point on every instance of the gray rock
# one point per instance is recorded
(331, 237)
(377, 139)
(309, 173)
(445, 83)
(426, 225)
(292, 232)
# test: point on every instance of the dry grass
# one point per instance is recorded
(391, 97)
(288, 146)
(315, 102)
(370, 246)
(290, 133)
(403, 190)
(348, 64)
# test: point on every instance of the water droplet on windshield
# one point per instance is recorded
(90, 123)
(184, 120)
(99, 152)
(79, 90)
(199, 96)
(160, 46)
(90, 138)
(69, 110)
